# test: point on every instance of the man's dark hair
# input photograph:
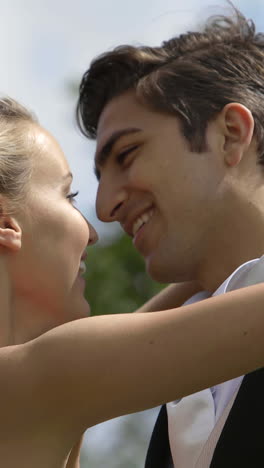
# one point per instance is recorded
(192, 76)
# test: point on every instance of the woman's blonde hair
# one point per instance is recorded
(16, 146)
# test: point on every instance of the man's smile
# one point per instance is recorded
(142, 219)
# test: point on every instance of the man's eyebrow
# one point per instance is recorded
(103, 153)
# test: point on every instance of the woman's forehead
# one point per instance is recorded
(48, 158)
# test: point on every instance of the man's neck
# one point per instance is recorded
(237, 240)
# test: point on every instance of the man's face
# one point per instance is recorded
(164, 196)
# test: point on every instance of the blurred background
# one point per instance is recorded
(45, 47)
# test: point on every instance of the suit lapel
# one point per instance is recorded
(242, 440)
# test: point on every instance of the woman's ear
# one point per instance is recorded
(10, 233)
(238, 127)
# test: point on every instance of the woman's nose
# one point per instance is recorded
(93, 236)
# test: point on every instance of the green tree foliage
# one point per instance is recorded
(116, 278)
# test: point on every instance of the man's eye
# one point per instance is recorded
(122, 156)
(72, 196)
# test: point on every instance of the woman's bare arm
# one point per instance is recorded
(94, 369)
(171, 297)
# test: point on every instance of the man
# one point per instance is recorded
(180, 145)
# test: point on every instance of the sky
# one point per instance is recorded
(46, 46)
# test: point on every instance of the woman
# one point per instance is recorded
(55, 385)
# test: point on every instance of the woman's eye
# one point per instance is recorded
(123, 155)
(72, 196)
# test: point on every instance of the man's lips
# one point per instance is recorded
(137, 237)
(141, 220)
(140, 229)
(134, 224)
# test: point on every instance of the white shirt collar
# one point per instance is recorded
(239, 276)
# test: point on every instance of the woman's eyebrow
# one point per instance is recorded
(66, 179)
(67, 176)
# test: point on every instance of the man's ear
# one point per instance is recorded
(238, 128)
(10, 233)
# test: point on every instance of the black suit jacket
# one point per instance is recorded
(241, 444)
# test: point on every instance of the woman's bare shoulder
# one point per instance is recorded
(16, 399)
(26, 430)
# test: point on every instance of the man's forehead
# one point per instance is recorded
(118, 111)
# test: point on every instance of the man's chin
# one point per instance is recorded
(157, 270)
(162, 270)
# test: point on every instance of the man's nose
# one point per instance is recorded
(110, 197)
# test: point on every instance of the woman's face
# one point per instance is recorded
(47, 270)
